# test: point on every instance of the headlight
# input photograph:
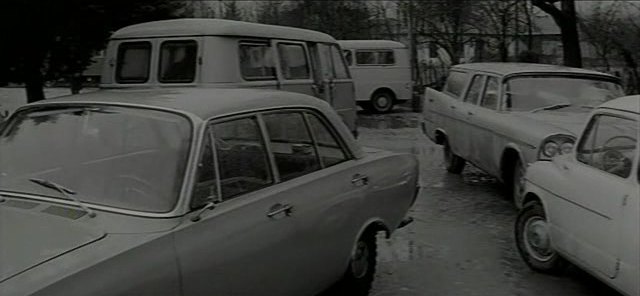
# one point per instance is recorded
(566, 147)
(550, 149)
(555, 145)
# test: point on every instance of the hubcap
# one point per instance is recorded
(382, 102)
(536, 239)
(360, 260)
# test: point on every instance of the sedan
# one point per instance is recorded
(584, 207)
(192, 191)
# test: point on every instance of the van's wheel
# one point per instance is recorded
(359, 276)
(533, 240)
(454, 163)
(381, 102)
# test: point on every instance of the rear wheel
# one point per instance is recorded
(381, 102)
(454, 163)
(533, 240)
(358, 278)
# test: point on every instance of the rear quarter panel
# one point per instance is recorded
(435, 112)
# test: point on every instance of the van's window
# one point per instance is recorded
(375, 57)
(133, 62)
(293, 150)
(339, 68)
(242, 158)
(348, 56)
(256, 62)
(293, 61)
(178, 61)
(365, 57)
(456, 82)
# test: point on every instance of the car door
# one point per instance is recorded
(343, 89)
(482, 118)
(587, 216)
(294, 70)
(242, 246)
(467, 129)
(316, 175)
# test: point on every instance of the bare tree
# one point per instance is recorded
(599, 28)
(565, 18)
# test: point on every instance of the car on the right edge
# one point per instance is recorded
(584, 207)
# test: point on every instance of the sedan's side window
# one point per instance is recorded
(243, 164)
(490, 96)
(474, 90)
(609, 144)
(206, 181)
(329, 149)
(291, 144)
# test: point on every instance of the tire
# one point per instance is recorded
(381, 102)
(453, 163)
(516, 184)
(359, 276)
(533, 242)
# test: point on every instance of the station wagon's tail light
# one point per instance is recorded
(555, 145)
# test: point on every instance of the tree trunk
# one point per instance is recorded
(34, 83)
(570, 39)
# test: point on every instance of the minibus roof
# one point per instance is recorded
(370, 44)
(217, 27)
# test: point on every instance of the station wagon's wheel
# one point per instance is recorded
(362, 267)
(517, 181)
(533, 240)
(381, 102)
(454, 163)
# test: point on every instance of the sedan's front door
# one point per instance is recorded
(587, 216)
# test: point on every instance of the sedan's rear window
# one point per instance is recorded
(178, 61)
(134, 59)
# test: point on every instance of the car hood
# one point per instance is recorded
(568, 122)
(29, 238)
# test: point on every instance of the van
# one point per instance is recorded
(381, 71)
(230, 54)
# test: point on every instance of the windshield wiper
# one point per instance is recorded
(552, 107)
(66, 192)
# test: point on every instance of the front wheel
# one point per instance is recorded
(454, 163)
(534, 242)
(358, 278)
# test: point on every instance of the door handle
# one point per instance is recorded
(279, 209)
(360, 180)
(452, 107)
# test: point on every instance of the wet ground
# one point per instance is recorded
(461, 242)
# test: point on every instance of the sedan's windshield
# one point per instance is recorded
(114, 156)
(528, 93)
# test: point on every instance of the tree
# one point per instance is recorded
(565, 18)
(599, 29)
(45, 40)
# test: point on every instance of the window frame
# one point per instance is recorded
(484, 91)
(195, 61)
(478, 99)
(119, 61)
(264, 43)
(280, 60)
(594, 119)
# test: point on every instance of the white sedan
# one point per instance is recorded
(584, 207)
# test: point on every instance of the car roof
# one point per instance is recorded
(519, 68)
(217, 27)
(200, 102)
(627, 104)
(370, 44)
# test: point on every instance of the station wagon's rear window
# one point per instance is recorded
(256, 62)
(133, 60)
(456, 83)
(178, 61)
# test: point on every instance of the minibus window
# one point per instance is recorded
(293, 61)
(365, 57)
(178, 61)
(386, 58)
(256, 62)
(133, 62)
(339, 67)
